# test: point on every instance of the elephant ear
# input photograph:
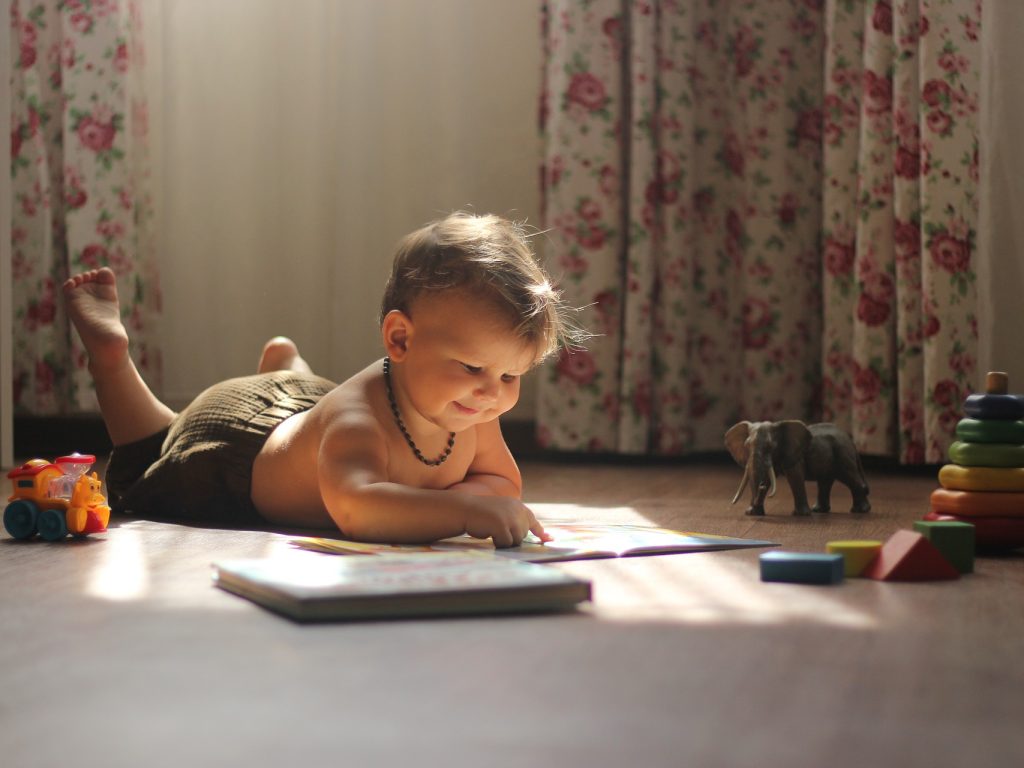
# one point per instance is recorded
(793, 438)
(736, 442)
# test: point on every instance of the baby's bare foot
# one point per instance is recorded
(92, 305)
(281, 354)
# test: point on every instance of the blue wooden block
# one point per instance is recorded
(802, 568)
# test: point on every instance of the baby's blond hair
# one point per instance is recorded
(490, 255)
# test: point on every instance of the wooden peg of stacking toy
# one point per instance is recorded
(997, 383)
(995, 402)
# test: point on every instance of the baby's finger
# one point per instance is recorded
(538, 530)
(502, 539)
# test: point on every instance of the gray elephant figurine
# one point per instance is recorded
(821, 452)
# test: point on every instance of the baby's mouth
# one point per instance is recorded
(464, 410)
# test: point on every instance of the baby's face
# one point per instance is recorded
(463, 360)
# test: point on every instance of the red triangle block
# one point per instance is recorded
(909, 556)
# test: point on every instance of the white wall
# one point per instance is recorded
(299, 141)
(1001, 227)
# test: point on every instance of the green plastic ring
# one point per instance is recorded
(986, 454)
(990, 431)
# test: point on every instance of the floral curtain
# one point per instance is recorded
(694, 194)
(901, 208)
(80, 183)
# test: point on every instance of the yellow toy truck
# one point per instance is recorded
(56, 498)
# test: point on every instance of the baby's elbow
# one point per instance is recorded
(349, 515)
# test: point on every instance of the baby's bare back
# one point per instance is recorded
(286, 486)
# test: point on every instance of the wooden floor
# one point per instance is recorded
(117, 651)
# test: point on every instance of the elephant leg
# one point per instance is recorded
(796, 485)
(859, 490)
(824, 496)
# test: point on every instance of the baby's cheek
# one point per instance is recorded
(507, 400)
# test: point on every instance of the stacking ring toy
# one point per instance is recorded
(957, 478)
(978, 503)
(989, 406)
(990, 431)
(986, 454)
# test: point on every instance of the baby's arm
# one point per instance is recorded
(493, 471)
(365, 505)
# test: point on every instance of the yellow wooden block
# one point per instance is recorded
(857, 554)
(957, 478)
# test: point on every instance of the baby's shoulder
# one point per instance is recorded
(353, 404)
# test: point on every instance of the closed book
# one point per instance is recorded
(321, 588)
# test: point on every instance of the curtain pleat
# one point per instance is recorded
(80, 190)
(770, 209)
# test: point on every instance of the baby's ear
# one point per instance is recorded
(395, 332)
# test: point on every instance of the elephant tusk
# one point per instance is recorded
(771, 474)
(743, 483)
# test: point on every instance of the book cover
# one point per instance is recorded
(449, 584)
(570, 541)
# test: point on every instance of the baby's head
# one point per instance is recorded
(489, 257)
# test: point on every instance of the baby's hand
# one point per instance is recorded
(504, 520)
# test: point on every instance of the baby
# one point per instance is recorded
(407, 450)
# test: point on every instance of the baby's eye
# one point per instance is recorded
(474, 369)
(508, 378)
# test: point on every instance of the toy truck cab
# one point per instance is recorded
(56, 498)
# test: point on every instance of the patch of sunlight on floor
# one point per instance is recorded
(708, 588)
(699, 588)
(199, 590)
(120, 573)
(576, 513)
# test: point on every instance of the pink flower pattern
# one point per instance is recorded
(73, 101)
(748, 231)
(697, 270)
(899, 339)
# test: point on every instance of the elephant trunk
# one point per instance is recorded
(762, 477)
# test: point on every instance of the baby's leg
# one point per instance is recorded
(281, 354)
(130, 409)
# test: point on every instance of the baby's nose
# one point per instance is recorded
(487, 390)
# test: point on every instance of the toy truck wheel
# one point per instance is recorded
(20, 519)
(52, 525)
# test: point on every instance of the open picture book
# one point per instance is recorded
(571, 541)
(315, 588)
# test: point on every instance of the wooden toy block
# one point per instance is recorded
(996, 406)
(954, 540)
(990, 431)
(992, 534)
(857, 554)
(978, 503)
(986, 454)
(802, 568)
(957, 478)
(909, 556)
